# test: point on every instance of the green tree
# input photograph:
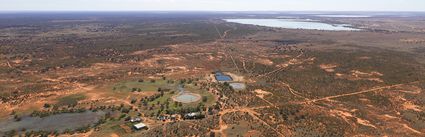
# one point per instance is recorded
(46, 105)
(204, 98)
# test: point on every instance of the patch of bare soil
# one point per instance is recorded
(364, 58)
(171, 57)
(17, 61)
(114, 135)
(235, 77)
(359, 75)
(178, 69)
(413, 40)
(296, 61)
(328, 67)
(6, 110)
(264, 61)
(158, 60)
(140, 52)
(261, 93)
(211, 58)
(105, 65)
(93, 70)
(409, 89)
(126, 128)
(389, 116)
(252, 133)
(347, 116)
(411, 129)
(411, 106)
(397, 125)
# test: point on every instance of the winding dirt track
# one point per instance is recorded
(293, 91)
(234, 62)
(290, 62)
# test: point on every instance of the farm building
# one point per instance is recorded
(193, 115)
(135, 120)
(140, 126)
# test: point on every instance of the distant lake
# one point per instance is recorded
(344, 16)
(294, 24)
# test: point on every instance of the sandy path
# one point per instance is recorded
(244, 66)
(290, 62)
(234, 62)
(293, 91)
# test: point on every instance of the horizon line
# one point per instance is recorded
(212, 10)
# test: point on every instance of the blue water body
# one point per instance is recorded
(218, 73)
(294, 24)
(219, 76)
(223, 78)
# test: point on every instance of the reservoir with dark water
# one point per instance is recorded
(58, 122)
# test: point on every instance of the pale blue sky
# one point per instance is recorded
(215, 5)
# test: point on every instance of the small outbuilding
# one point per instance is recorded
(133, 120)
(140, 126)
(193, 115)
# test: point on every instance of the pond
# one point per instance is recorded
(238, 86)
(294, 24)
(59, 122)
(219, 76)
(223, 78)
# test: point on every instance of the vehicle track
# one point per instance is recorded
(356, 93)
(294, 92)
(290, 62)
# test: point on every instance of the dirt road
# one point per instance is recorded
(356, 93)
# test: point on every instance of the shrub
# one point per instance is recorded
(204, 98)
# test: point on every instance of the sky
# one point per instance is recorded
(212, 5)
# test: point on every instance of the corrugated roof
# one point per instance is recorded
(140, 125)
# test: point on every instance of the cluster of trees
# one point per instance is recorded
(43, 133)
(12, 133)
(45, 113)
(20, 93)
(136, 89)
(145, 101)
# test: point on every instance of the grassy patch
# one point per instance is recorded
(163, 99)
(173, 106)
(129, 86)
(239, 129)
(125, 88)
(70, 100)
(110, 127)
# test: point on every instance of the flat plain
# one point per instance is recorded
(109, 68)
